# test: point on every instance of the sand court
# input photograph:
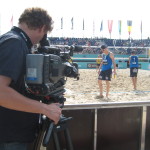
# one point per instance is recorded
(86, 89)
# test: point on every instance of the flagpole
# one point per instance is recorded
(93, 28)
(141, 30)
(83, 28)
(120, 36)
(62, 33)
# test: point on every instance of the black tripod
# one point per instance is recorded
(50, 131)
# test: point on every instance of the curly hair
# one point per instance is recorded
(36, 18)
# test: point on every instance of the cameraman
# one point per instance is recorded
(19, 115)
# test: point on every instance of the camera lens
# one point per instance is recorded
(67, 71)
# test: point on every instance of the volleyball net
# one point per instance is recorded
(117, 50)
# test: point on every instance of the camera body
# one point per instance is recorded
(47, 71)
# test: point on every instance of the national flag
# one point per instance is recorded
(61, 22)
(101, 27)
(83, 24)
(119, 26)
(129, 23)
(110, 23)
(11, 21)
(72, 23)
(141, 27)
(93, 27)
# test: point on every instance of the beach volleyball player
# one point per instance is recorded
(105, 70)
(133, 63)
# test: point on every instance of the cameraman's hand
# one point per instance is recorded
(53, 112)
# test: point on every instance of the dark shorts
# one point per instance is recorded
(105, 75)
(133, 72)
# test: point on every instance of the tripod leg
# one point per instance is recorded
(48, 134)
(38, 140)
(68, 139)
(56, 141)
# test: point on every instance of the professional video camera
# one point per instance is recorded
(48, 69)
(46, 74)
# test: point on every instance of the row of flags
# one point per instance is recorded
(110, 25)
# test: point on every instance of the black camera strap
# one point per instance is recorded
(23, 35)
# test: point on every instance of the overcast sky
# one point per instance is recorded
(90, 10)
